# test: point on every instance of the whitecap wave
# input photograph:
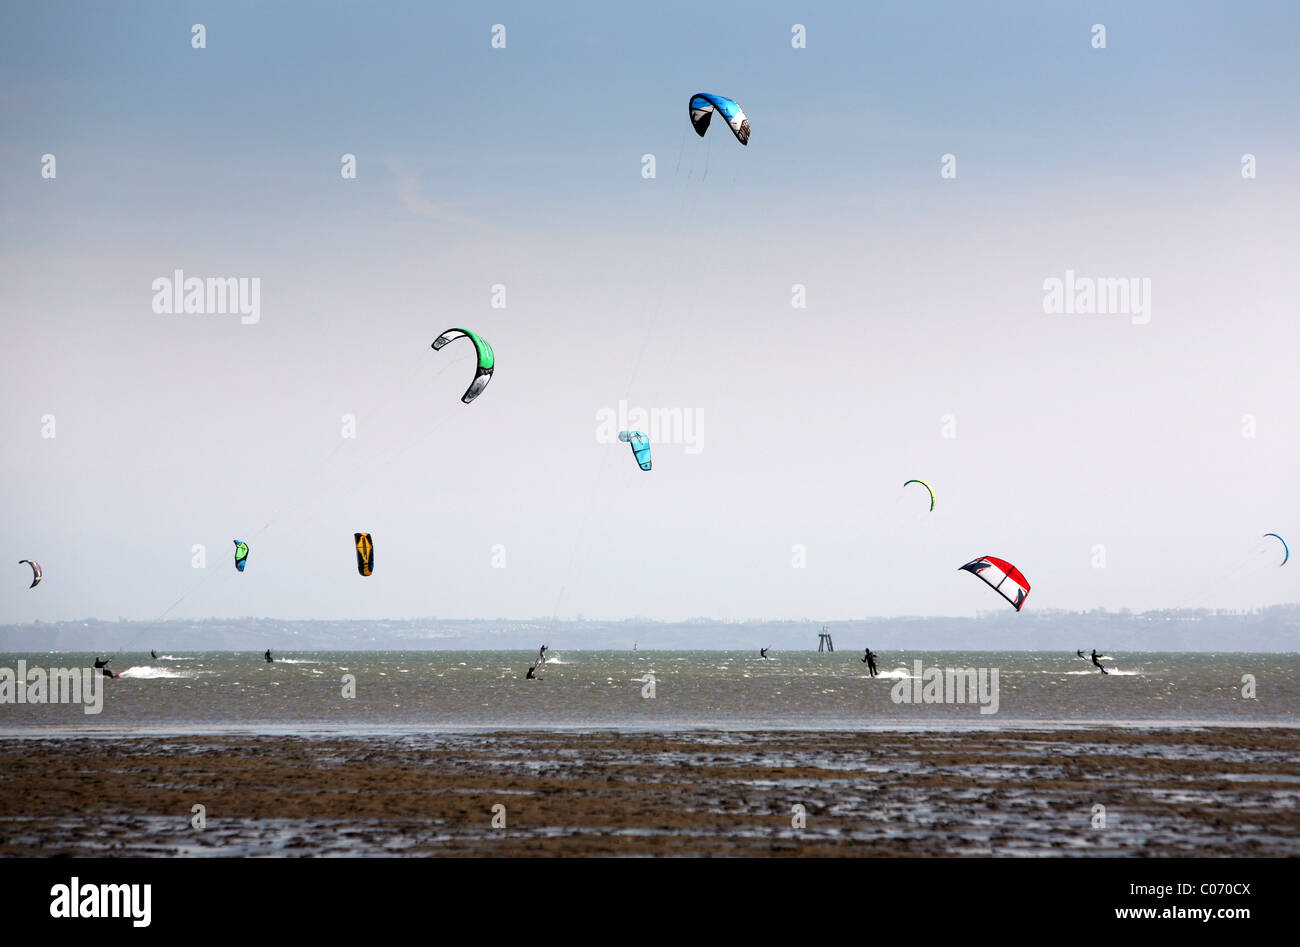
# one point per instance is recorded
(148, 672)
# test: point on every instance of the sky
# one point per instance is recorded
(825, 312)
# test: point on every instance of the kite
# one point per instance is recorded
(365, 553)
(702, 106)
(241, 555)
(640, 446)
(36, 572)
(1002, 577)
(1285, 548)
(486, 360)
(927, 487)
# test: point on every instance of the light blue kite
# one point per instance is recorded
(640, 446)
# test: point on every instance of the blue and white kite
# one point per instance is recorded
(702, 106)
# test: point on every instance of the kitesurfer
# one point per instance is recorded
(1095, 656)
(1082, 655)
(102, 662)
(531, 675)
(762, 652)
(153, 654)
(869, 659)
(268, 657)
(541, 655)
(102, 665)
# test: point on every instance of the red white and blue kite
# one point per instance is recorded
(1002, 577)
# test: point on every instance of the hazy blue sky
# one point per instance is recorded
(522, 166)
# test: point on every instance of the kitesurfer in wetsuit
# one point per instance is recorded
(269, 659)
(869, 658)
(531, 676)
(1095, 656)
(102, 664)
(762, 652)
(153, 654)
(1082, 655)
(541, 655)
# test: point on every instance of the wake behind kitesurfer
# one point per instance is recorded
(1095, 656)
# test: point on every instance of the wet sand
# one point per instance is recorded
(1205, 792)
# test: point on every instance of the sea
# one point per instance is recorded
(351, 692)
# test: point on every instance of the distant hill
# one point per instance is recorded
(1271, 629)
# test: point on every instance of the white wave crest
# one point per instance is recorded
(147, 672)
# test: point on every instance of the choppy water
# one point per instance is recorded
(802, 690)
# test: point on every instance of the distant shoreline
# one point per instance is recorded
(1271, 629)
